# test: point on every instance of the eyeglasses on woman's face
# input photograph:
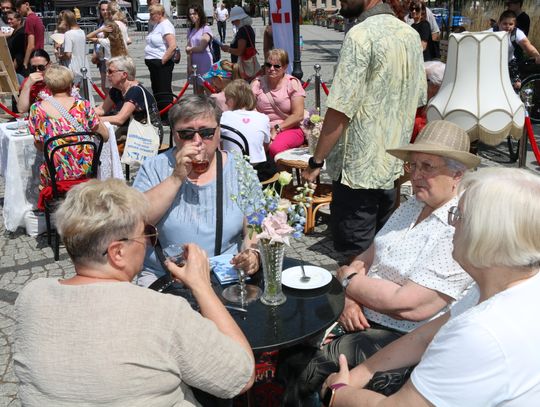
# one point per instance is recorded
(188, 134)
(424, 168)
(113, 71)
(454, 215)
(269, 65)
(150, 234)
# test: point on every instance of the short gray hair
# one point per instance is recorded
(192, 106)
(126, 64)
(500, 222)
(434, 72)
(94, 214)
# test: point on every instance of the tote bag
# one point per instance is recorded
(142, 139)
(248, 65)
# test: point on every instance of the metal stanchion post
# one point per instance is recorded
(317, 68)
(526, 96)
(194, 80)
(84, 88)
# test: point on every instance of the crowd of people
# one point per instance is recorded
(444, 285)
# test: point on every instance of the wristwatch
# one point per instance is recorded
(330, 393)
(314, 164)
(277, 127)
(345, 282)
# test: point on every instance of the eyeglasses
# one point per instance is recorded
(188, 134)
(415, 10)
(150, 234)
(192, 14)
(424, 168)
(454, 214)
(110, 71)
(4, 8)
(35, 68)
(269, 65)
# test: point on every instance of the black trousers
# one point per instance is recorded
(358, 214)
(222, 30)
(305, 369)
(161, 80)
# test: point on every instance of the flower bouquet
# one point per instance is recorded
(275, 220)
(312, 126)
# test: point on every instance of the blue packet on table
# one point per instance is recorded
(223, 269)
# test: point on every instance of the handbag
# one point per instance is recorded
(142, 138)
(176, 56)
(248, 65)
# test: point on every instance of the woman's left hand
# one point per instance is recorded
(188, 50)
(247, 260)
(225, 48)
(342, 376)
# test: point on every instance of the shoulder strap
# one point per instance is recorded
(250, 39)
(65, 114)
(145, 105)
(219, 203)
(271, 99)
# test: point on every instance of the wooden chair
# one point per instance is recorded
(59, 187)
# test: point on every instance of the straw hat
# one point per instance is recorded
(237, 13)
(441, 138)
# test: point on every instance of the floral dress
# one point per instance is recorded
(76, 162)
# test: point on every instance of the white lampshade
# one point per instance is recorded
(476, 92)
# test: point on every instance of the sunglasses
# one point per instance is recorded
(40, 68)
(150, 234)
(415, 10)
(269, 65)
(188, 134)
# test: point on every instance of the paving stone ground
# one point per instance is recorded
(24, 258)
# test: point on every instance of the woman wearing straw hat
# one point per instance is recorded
(407, 277)
(484, 351)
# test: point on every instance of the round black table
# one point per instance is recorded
(305, 314)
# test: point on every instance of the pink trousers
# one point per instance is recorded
(286, 140)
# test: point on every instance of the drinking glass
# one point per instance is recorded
(175, 253)
(241, 293)
(200, 162)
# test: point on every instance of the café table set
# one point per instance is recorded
(19, 165)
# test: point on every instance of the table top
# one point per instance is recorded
(305, 314)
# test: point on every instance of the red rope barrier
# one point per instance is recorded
(180, 94)
(306, 83)
(98, 91)
(325, 88)
(532, 140)
(210, 88)
(8, 111)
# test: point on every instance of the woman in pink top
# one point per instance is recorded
(281, 97)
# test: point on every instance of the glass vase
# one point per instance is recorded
(272, 262)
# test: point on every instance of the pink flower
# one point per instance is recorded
(276, 228)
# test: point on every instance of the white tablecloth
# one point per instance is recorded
(19, 165)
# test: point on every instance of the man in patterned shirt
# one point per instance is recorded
(379, 83)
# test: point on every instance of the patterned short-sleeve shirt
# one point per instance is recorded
(379, 83)
(421, 254)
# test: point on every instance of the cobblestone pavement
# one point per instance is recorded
(24, 258)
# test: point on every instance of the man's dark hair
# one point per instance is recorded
(507, 14)
(19, 3)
